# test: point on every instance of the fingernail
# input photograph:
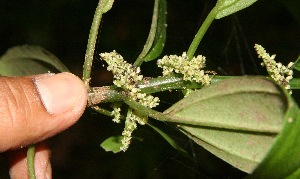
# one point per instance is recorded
(61, 92)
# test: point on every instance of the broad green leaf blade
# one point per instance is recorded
(275, 154)
(246, 103)
(29, 60)
(157, 35)
(112, 144)
(283, 160)
(170, 141)
(243, 150)
(228, 7)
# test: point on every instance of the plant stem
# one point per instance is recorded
(198, 37)
(106, 112)
(157, 85)
(173, 82)
(145, 110)
(176, 82)
(91, 45)
(110, 94)
(106, 94)
(30, 161)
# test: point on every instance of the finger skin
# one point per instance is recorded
(23, 117)
(18, 163)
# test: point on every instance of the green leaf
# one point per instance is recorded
(112, 144)
(160, 36)
(228, 7)
(157, 35)
(297, 64)
(236, 119)
(256, 100)
(170, 141)
(240, 149)
(106, 5)
(29, 60)
(283, 160)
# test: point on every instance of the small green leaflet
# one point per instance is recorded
(228, 7)
(157, 35)
(160, 36)
(112, 144)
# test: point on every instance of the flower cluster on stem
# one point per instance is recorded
(127, 76)
(130, 125)
(192, 69)
(278, 72)
(116, 112)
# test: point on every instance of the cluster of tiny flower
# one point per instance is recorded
(130, 125)
(280, 73)
(190, 68)
(117, 114)
(127, 76)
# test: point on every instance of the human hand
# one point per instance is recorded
(33, 109)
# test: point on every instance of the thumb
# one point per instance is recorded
(37, 107)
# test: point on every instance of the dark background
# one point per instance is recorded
(62, 27)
